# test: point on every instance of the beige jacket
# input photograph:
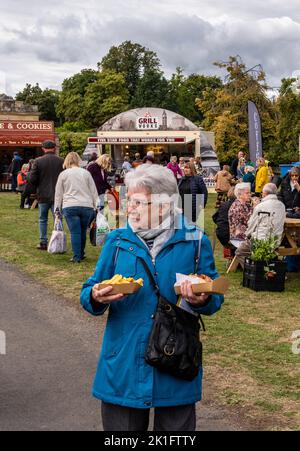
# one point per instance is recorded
(223, 179)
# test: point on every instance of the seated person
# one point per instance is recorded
(220, 218)
(239, 214)
(267, 220)
(290, 193)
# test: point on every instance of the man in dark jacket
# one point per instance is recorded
(43, 176)
(290, 192)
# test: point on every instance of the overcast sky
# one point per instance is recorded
(47, 42)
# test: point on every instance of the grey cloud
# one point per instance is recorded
(57, 45)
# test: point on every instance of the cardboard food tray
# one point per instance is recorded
(123, 288)
(217, 286)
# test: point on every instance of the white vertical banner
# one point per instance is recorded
(2, 343)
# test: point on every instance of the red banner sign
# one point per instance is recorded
(25, 133)
(26, 126)
(24, 140)
(138, 140)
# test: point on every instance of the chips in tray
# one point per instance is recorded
(202, 284)
(122, 285)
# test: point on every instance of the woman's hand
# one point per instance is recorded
(187, 293)
(103, 297)
(297, 186)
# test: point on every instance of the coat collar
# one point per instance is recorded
(183, 232)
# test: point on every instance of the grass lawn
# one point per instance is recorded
(248, 345)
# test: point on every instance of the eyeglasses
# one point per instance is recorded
(295, 175)
(137, 203)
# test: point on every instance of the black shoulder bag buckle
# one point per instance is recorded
(174, 344)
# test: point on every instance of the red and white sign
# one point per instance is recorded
(26, 126)
(25, 133)
(138, 140)
(147, 123)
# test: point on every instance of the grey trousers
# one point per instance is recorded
(243, 252)
(118, 418)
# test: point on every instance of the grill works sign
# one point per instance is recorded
(147, 123)
(25, 133)
(142, 140)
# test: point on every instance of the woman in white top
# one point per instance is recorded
(76, 196)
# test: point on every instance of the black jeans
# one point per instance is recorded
(177, 418)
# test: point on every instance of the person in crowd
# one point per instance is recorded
(14, 169)
(148, 159)
(151, 154)
(126, 166)
(223, 181)
(198, 165)
(262, 176)
(137, 160)
(43, 176)
(181, 163)
(241, 169)
(29, 191)
(266, 220)
(174, 167)
(22, 182)
(234, 164)
(221, 220)
(249, 176)
(290, 193)
(99, 170)
(239, 213)
(164, 159)
(155, 236)
(76, 198)
(193, 186)
(92, 158)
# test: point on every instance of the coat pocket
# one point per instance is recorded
(126, 264)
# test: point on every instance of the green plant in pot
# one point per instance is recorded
(264, 251)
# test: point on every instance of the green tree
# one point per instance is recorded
(46, 100)
(192, 88)
(152, 91)
(72, 142)
(225, 109)
(105, 97)
(71, 101)
(288, 130)
(132, 60)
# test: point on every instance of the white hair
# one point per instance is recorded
(270, 188)
(240, 187)
(153, 178)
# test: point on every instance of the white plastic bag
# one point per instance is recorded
(58, 240)
(102, 228)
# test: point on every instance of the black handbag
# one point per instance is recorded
(174, 344)
(93, 229)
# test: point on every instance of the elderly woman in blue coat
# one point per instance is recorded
(155, 233)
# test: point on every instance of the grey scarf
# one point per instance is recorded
(160, 235)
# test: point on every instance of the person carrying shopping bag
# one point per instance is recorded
(76, 198)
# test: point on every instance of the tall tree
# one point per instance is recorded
(288, 104)
(152, 91)
(192, 88)
(105, 97)
(46, 100)
(70, 107)
(225, 109)
(132, 60)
